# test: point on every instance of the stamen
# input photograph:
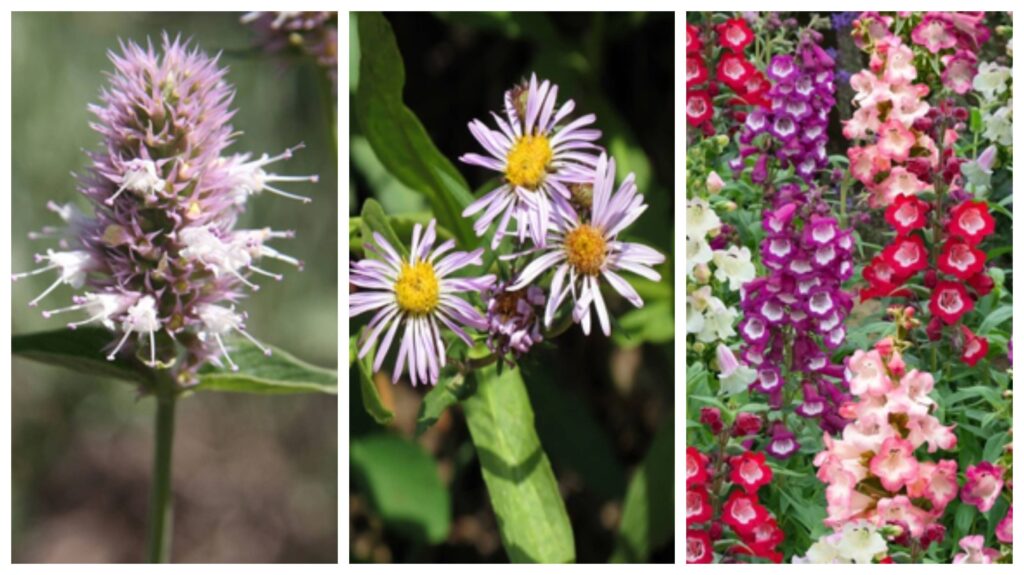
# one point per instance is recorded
(46, 292)
(152, 349)
(35, 272)
(264, 272)
(224, 352)
(110, 201)
(266, 350)
(242, 279)
(284, 194)
(120, 344)
(75, 307)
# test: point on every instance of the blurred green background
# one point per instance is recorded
(599, 402)
(255, 477)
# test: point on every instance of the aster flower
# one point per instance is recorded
(160, 258)
(420, 293)
(584, 250)
(539, 156)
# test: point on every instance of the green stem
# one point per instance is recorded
(160, 520)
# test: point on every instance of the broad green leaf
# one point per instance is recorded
(653, 323)
(398, 138)
(649, 509)
(532, 519)
(279, 372)
(445, 394)
(995, 319)
(82, 350)
(403, 485)
(374, 219)
(372, 401)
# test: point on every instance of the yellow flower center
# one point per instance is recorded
(585, 249)
(417, 291)
(528, 161)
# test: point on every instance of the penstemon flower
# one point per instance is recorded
(420, 293)
(857, 542)
(160, 258)
(983, 486)
(975, 551)
(583, 248)
(540, 157)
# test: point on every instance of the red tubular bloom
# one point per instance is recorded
(907, 213)
(734, 71)
(696, 467)
(693, 43)
(975, 347)
(907, 255)
(749, 471)
(698, 107)
(883, 280)
(698, 546)
(743, 513)
(698, 505)
(950, 301)
(982, 283)
(971, 221)
(696, 71)
(735, 34)
(961, 259)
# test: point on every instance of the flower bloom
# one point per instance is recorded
(513, 322)
(311, 33)
(539, 157)
(857, 542)
(584, 250)
(698, 505)
(160, 257)
(420, 292)
(696, 467)
(1004, 530)
(698, 546)
(983, 485)
(975, 551)
(749, 471)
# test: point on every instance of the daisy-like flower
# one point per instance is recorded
(539, 158)
(583, 250)
(418, 292)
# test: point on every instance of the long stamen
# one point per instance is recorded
(224, 352)
(76, 324)
(248, 336)
(278, 178)
(152, 349)
(35, 272)
(120, 344)
(110, 201)
(285, 155)
(269, 252)
(284, 194)
(264, 272)
(242, 279)
(46, 292)
(51, 312)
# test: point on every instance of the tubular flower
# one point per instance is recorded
(421, 293)
(540, 157)
(749, 471)
(160, 257)
(698, 546)
(984, 483)
(975, 551)
(696, 467)
(584, 250)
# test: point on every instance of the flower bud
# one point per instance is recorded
(702, 273)
(746, 424)
(934, 329)
(714, 183)
(933, 533)
(712, 417)
(931, 279)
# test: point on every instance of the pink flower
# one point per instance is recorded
(983, 485)
(975, 551)
(899, 65)
(900, 508)
(934, 34)
(867, 374)
(927, 429)
(895, 141)
(894, 464)
(959, 72)
(936, 482)
(900, 182)
(866, 163)
(917, 385)
(1004, 531)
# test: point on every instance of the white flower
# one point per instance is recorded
(142, 319)
(700, 219)
(861, 542)
(697, 252)
(718, 322)
(219, 321)
(140, 177)
(73, 265)
(734, 265)
(999, 125)
(823, 551)
(249, 178)
(734, 377)
(101, 307)
(991, 79)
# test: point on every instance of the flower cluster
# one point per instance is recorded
(873, 471)
(721, 490)
(795, 124)
(314, 34)
(795, 315)
(992, 84)
(857, 542)
(733, 70)
(559, 197)
(160, 256)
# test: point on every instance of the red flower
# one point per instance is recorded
(754, 91)
(950, 301)
(982, 283)
(698, 546)
(693, 44)
(735, 34)
(907, 255)
(696, 467)
(698, 107)
(907, 213)
(696, 71)
(698, 505)
(734, 71)
(883, 280)
(766, 535)
(971, 221)
(975, 347)
(749, 471)
(885, 560)
(961, 259)
(743, 513)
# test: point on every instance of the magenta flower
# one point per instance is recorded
(584, 250)
(160, 258)
(983, 485)
(540, 158)
(420, 293)
(1004, 530)
(975, 551)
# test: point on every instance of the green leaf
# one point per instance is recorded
(445, 394)
(375, 220)
(653, 323)
(532, 519)
(82, 350)
(398, 138)
(648, 512)
(372, 401)
(403, 486)
(995, 319)
(277, 373)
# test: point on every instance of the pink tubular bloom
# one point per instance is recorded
(867, 375)
(895, 140)
(975, 551)
(1004, 531)
(983, 485)
(894, 464)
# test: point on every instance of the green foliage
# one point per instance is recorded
(523, 490)
(396, 134)
(649, 510)
(403, 485)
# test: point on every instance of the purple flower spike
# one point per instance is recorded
(160, 256)
(782, 68)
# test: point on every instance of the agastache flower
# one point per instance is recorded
(540, 154)
(312, 33)
(160, 253)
